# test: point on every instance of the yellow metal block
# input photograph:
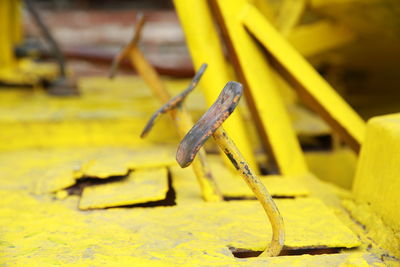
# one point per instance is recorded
(205, 47)
(377, 180)
(312, 88)
(261, 91)
(140, 186)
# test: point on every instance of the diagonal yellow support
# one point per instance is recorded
(261, 92)
(311, 87)
(204, 46)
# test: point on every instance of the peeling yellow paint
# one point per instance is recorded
(139, 187)
(46, 171)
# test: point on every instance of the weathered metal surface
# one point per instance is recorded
(175, 102)
(259, 190)
(140, 20)
(139, 187)
(209, 123)
(48, 171)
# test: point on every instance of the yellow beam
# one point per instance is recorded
(311, 87)
(205, 47)
(289, 15)
(319, 37)
(6, 40)
(261, 92)
(16, 23)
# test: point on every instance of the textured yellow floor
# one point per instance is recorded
(53, 148)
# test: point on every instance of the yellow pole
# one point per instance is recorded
(6, 44)
(204, 46)
(16, 25)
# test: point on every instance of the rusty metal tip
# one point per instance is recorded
(140, 16)
(111, 73)
(209, 123)
(238, 87)
(182, 161)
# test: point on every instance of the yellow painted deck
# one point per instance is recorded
(43, 223)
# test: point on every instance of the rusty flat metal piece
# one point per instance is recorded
(140, 20)
(209, 123)
(174, 102)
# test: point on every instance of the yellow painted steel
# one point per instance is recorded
(304, 78)
(260, 84)
(16, 22)
(377, 182)
(48, 229)
(7, 59)
(205, 47)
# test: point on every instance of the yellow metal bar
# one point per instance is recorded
(261, 92)
(204, 46)
(6, 39)
(322, 36)
(16, 23)
(311, 87)
(289, 15)
(262, 194)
